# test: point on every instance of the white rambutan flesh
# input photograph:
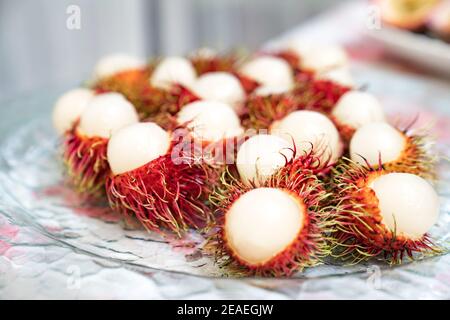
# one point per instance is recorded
(136, 145)
(105, 114)
(115, 63)
(375, 141)
(269, 71)
(219, 86)
(69, 107)
(172, 71)
(210, 121)
(310, 130)
(408, 204)
(357, 108)
(341, 76)
(323, 58)
(262, 223)
(261, 156)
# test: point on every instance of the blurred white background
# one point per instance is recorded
(38, 50)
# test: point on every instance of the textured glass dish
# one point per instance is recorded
(34, 202)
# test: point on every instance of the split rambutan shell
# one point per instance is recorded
(86, 162)
(297, 178)
(360, 233)
(168, 193)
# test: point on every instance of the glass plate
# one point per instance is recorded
(37, 211)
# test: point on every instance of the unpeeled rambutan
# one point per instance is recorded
(153, 180)
(276, 228)
(382, 214)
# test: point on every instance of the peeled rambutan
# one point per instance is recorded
(215, 130)
(261, 156)
(380, 144)
(157, 91)
(355, 109)
(222, 87)
(268, 71)
(274, 229)
(305, 57)
(117, 63)
(152, 180)
(172, 71)
(382, 214)
(69, 107)
(310, 130)
(84, 146)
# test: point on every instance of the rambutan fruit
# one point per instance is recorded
(340, 76)
(318, 94)
(117, 63)
(173, 71)
(274, 229)
(130, 83)
(215, 129)
(207, 60)
(262, 110)
(382, 214)
(406, 14)
(154, 103)
(69, 107)
(380, 144)
(355, 109)
(261, 156)
(310, 130)
(306, 57)
(268, 71)
(222, 87)
(156, 183)
(85, 144)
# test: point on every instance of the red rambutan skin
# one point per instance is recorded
(318, 95)
(221, 63)
(164, 194)
(296, 178)
(153, 104)
(360, 233)
(86, 163)
(261, 111)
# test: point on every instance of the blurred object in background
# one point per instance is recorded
(48, 43)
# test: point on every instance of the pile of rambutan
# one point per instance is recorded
(277, 159)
